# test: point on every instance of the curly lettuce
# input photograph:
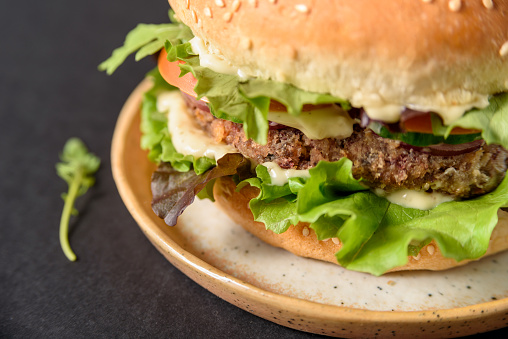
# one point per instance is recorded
(370, 227)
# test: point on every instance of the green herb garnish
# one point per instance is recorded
(77, 169)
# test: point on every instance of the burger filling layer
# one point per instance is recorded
(382, 163)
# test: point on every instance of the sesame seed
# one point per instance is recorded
(187, 4)
(194, 16)
(246, 43)
(417, 257)
(227, 16)
(281, 76)
(336, 241)
(455, 5)
(489, 4)
(272, 1)
(208, 12)
(326, 239)
(200, 24)
(302, 8)
(503, 51)
(305, 231)
(220, 3)
(427, 1)
(236, 4)
(253, 2)
(431, 249)
(293, 53)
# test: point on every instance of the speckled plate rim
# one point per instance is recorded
(288, 311)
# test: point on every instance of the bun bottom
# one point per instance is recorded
(302, 240)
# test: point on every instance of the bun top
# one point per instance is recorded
(445, 56)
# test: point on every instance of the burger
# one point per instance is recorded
(372, 134)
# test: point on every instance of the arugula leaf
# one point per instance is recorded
(146, 39)
(77, 169)
(173, 191)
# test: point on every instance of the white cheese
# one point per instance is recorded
(281, 176)
(186, 135)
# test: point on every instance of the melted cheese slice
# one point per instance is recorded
(328, 122)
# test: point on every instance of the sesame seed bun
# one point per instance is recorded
(441, 55)
(301, 240)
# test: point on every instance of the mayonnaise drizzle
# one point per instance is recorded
(281, 176)
(186, 136)
(415, 199)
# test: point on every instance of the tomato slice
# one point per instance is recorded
(170, 71)
(423, 124)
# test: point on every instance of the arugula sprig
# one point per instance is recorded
(144, 40)
(77, 169)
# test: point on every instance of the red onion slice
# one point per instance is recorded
(446, 150)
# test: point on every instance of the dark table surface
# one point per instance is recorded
(121, 286)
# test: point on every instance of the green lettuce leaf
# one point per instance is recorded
(492, 120)
(276, 205)
(370, 227)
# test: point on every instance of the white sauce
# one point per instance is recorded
(387, 113)
(281, 176)
(213, 61)
(187, 137)
(391, 112)
(328, 122)
(415, 199)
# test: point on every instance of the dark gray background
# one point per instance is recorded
(121, 286)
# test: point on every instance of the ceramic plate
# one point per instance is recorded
(301, 293)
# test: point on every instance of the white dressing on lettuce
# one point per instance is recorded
(280, 176)
(415, 199)
(186, 135)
